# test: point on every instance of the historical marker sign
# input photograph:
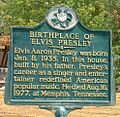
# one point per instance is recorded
(60, 62)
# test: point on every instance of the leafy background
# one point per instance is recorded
(95, 14)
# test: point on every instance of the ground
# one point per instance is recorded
(34, 111)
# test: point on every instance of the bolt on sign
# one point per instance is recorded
(60, 62)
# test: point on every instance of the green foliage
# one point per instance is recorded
(115, 13)
(23, 12)
(96, 14)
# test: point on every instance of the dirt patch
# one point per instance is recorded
(34, 111)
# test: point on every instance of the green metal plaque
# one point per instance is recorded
(60, 63)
